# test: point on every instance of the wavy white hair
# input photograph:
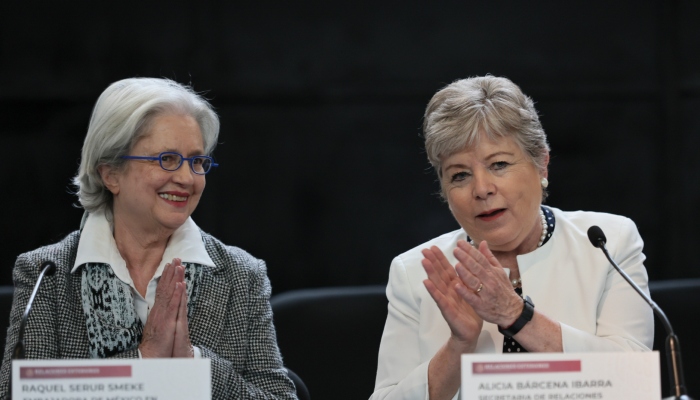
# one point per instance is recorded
(123, 115)
(461, 110)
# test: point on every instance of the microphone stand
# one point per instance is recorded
(47, 268)
(673, 346)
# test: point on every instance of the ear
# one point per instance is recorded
(110, 178)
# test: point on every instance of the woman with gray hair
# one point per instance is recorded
(474, 290)
(140, 279)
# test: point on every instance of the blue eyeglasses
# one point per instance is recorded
(171, 161)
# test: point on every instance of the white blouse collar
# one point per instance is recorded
(97, 245)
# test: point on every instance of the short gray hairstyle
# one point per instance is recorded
(459, 111)
(122, 115)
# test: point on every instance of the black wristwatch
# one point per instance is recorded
(524, 318)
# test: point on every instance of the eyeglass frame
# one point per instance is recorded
(159, 158)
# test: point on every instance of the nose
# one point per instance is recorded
(184, 175)
(483, 184)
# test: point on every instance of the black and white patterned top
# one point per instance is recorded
(231, 320)
(113, 324)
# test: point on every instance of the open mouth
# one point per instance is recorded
(491, 214)
(172, 197)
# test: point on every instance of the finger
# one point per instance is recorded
(486, 266)
(181, 325)
(443, 302)
(159, 331)
(167, 274)
(428, 254)
(179, 273)
(174, 303)
(173, 272)
(181, 345)
(164, 289)
(461, 318)
(174, 264)
(444, 272)
(468, 279)
(428, 267)
(486, 252)
(467, 290)
(434, 276)
(470, 252)
(165, 283)
(469, 296)
(447, 267)
(467, 260)
(439, 269)
(182, 311)
(441, 273)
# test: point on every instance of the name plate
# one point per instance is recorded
(112, 379)
(561, 376)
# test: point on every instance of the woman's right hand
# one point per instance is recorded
(464, 323)
(159, 332)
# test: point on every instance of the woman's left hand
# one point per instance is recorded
(485, 285)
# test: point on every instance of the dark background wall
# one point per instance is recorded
(322, 168)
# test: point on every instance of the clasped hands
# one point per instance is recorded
(474, 290)
(166, 333)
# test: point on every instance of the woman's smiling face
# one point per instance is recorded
(146, 195)
(494, 191)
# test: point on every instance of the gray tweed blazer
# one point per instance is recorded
(231, 322)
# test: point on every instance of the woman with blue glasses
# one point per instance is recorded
(140, 279)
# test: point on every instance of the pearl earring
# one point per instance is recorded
(544, 182)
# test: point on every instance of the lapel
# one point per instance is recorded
(74, 343)
(72, 320)
(209, 312)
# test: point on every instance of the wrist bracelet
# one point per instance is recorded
(524, 318)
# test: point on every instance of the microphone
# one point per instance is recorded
(47, 268)
(673, 347)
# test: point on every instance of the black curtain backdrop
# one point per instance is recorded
(322, 172)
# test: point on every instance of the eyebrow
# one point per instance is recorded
(197, 152)
(500, 153)
(489, 157)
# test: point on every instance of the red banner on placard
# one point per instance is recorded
(526, 367)
(108, 371)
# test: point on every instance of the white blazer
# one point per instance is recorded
(567, 278)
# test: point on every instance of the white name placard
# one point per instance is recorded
(560, 376)
(111, 379)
